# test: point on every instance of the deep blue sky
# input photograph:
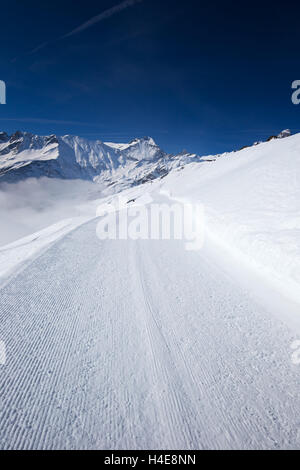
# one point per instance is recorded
(205, 76)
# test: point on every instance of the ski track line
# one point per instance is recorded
(259, 421)
(173, 401)
(190, 388)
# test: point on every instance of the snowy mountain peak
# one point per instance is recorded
(18, 135)
(284, 133)
(3, 137)
(137, 142)
(148, 140)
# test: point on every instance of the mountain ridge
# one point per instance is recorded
(24, 155)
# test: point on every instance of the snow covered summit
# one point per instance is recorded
(24, 155)
(284, 133)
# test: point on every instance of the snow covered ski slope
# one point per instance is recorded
(141, 344)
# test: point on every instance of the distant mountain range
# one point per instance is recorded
(113, 166)
(24, 155)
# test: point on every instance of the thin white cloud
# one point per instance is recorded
(38, 48)
(102, 16)
(91, 22)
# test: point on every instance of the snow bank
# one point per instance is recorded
(252, 203)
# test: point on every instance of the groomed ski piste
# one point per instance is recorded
(143, 344)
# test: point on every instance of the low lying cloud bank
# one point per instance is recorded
(34, 204)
